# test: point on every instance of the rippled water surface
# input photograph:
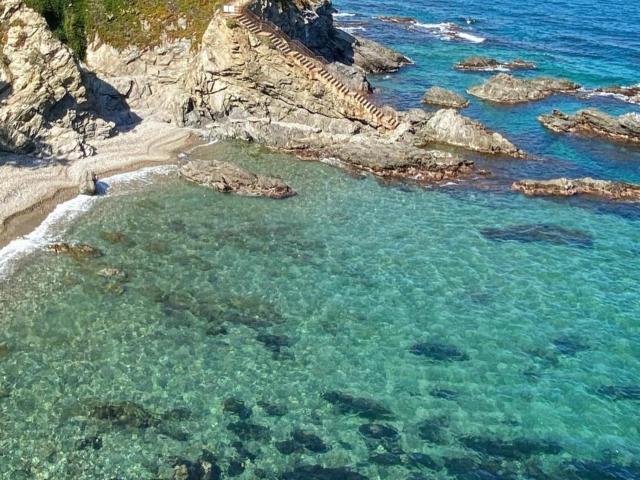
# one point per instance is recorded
(359, 329)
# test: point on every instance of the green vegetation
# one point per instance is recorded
(66, 19)
(125, 22)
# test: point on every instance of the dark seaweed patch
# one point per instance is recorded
(249, 431)
(236, 407)
(363, 407)
(619, 392)
(518, 448)
(439, 351)
(551, 234)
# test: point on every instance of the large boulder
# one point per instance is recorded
(564, 187)
(226, 177)
(486, 64)
(444, 98)
(504, 88)
(449, 127)
(592, 122)
(43, 101)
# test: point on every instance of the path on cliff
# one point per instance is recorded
(313, 64)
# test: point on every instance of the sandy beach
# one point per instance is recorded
(30, 188)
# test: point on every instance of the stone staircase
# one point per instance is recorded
(312, 63)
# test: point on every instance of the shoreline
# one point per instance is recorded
(29, 193)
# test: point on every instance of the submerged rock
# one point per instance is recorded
(4, 350)
(236, 467)
(236, 407)
(598, 470)
(439, 351)
(126, 414)
(112, 272)
(318, 472)
(273, 410)
(386, 458)
(93, 442)
(309, 441)
(569, 345)
(363, 407)
(249, 431)
(504, 88)
(619, 392)
(420, 459)
(76, 250)
(448, 127)
(552, 234)
(396, 19)
(300, 441)
(272, 342)
(444, 98)
(434, 430)
(444, 393)
(378, 431)
(565, 187)
(226, 177)
(516, 449)
(204, 468)
(486, 64)
(115, 237)
(592, 122)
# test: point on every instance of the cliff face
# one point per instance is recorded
(243, 79)
(44, 105)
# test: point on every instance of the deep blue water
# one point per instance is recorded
(592, 43)
(400, 332)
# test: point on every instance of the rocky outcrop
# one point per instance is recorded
(449, 127)
(628, 94)
(444, 98)
(312, 24)
(397, 19)
(226, 177)
(486, 64)
(75, 250)
(624, 128)
(504, 88)
(44, 105)
(564, 187)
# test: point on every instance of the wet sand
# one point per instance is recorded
(30, 188)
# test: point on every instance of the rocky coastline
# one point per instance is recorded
(486, 64)
(504, 88)
(564, 187)
(591, 122)
(301, 91)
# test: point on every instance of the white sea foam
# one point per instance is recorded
(54, 226)
(47, 232)
(471, 38)
(449, 31)
(344, 14)
(353, 29)
(141, 175)
(587, 92)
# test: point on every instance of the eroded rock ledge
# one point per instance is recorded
(444, 98)
(564, 187)
(226, 177)
(486, 64)
(504, 88)
(624, 128)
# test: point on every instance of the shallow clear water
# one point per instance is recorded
(354, 273)
(498, 334)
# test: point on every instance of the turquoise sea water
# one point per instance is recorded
(359, 329)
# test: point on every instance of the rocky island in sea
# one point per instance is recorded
(298, 240)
